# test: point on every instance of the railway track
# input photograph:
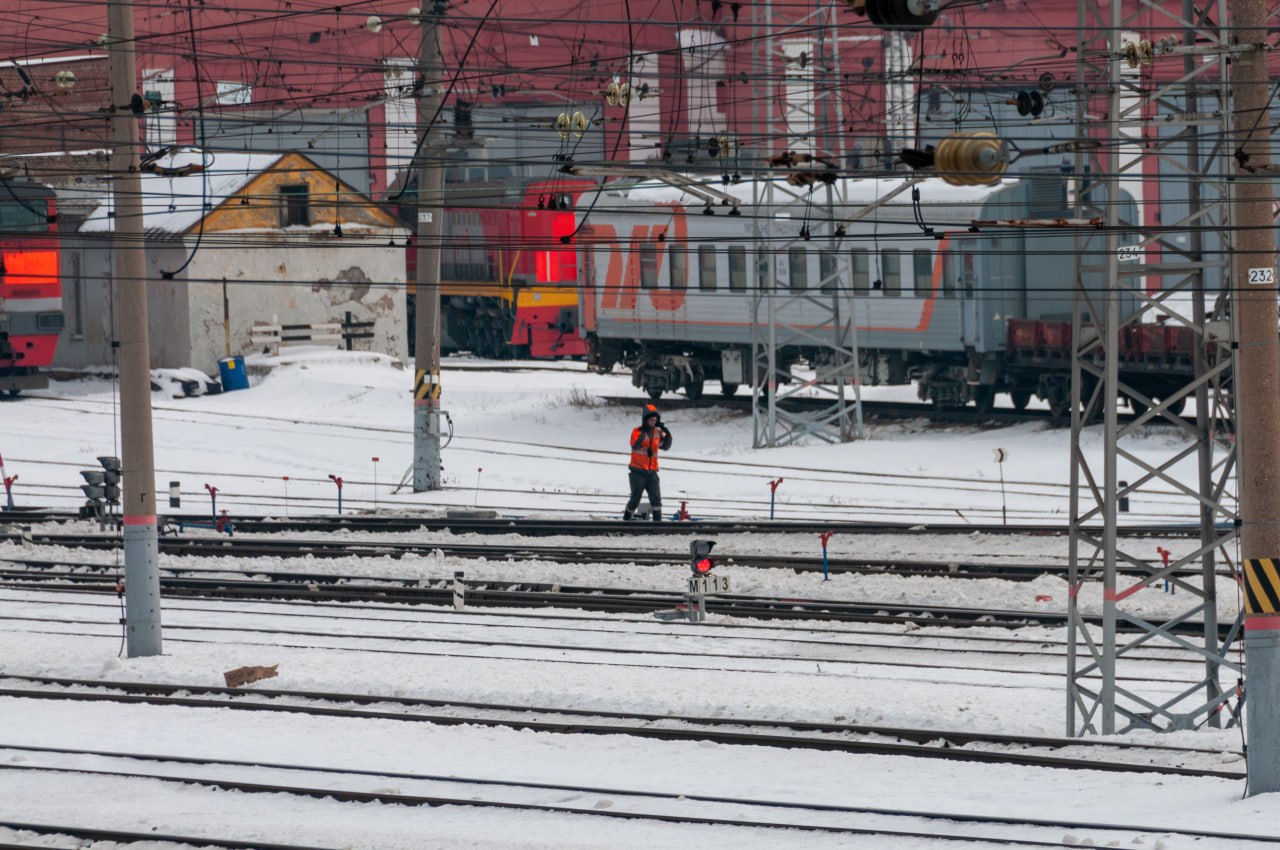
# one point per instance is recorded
(328, 549)
(508, 594)
(501, 593)
(480, 522)
(631, 805)
(950, 745)
(263, 776)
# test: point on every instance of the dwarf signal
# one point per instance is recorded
(700, 560)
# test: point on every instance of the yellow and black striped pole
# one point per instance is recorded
(1252, 247)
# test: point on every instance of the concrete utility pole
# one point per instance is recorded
(141, 546)
(426, 330)
(1258, 388)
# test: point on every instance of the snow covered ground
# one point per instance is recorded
(538, 442)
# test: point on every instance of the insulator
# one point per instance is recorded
(971, 159)
(611, 94)
(1047, 82)
(1144, 52)
(562, 124)
(579, 124)
(900, 14)
(1130, 54)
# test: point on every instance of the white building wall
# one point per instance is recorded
(297, 284)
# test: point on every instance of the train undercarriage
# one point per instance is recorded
(948, 381)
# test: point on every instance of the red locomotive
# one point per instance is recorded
(30, 285)
(508, 274)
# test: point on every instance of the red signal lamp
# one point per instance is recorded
(700, 560)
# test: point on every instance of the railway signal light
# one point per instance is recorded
(93, 488)
(700, 561)
(111, 478)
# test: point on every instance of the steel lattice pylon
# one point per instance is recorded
(1176, 69)
(808, 69)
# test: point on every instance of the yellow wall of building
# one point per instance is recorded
(259, 205)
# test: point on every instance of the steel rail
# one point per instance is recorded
(950, 738)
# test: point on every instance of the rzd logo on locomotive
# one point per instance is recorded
(623, 275)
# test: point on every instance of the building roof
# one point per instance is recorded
(185, 185)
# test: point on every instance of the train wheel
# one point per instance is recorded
(14, 391)
(1020, 399)
(728, 390)
(693, 390)
(654, 394)
(984, 398)
(1175, 409)
(1060, 407)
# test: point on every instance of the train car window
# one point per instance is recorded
(798, 267)
(891, 271)
(679, 266)
(922, 263)
(295, 205)
(737, 268)
(827, 270)
(707, 268)
(860, 271)
(648, 266)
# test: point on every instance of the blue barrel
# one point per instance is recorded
(234, 377)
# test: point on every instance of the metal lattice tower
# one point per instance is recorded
(1173, 66)
(810, 107)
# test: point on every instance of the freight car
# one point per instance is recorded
(965, 312)
(508, 285)
(30, 285)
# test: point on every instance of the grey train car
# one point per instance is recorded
(965, 311)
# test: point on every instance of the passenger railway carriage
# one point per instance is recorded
(965, 311)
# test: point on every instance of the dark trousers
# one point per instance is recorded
(642, 480)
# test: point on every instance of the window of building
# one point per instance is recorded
(798, 267)
(648, 266)
(737, 268)
(707, 268)
(891, 271)
(679, 266)
(922, 263)
(295, 205)
(860, 271)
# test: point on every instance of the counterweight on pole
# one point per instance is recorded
(141, 545)
(430, 207)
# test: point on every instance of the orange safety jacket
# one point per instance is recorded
(644, 448)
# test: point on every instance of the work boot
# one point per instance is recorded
(656, 513)
(627, 516)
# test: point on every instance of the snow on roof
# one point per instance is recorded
(174, 201)
(857, 192)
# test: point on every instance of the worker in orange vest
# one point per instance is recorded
(642, 471)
